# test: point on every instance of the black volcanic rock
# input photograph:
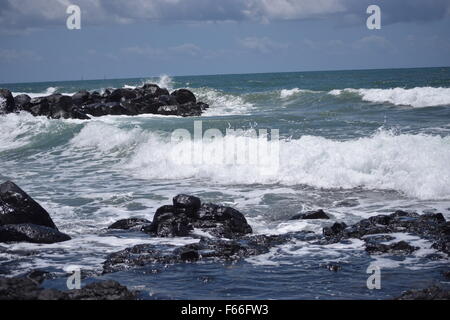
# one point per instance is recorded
(131, 223)
(204, 250)
(431, 226)
(401, 247)
(319, 214)
(188, 213)
(148, 99)
(432, 293)
(28, 289)
(31, 233)
(184, 96)
(80, 97)
(6, 101)
(23, 220)
(17, 207)
(22, 102)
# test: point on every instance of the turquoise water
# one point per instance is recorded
(355, 143)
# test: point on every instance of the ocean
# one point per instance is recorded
(353, 143)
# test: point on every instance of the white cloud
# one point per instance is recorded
(10, 55)
(261, 45)
(20, 14)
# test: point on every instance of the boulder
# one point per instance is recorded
(319, 214)
(21, 288)
(6, 101)
(80, 97)
(184, 96)
(17, 207)
(188, 213)
(31, 233)
(131, 223)
(22, 102)
(431, 293)
(119, 94)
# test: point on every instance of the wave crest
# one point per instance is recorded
(418, 97)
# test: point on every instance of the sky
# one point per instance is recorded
(144, 38)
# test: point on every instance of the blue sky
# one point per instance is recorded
(142, 38)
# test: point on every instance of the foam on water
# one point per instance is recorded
(221, 103)
(47, 92)
(416, 165)
(418, 97)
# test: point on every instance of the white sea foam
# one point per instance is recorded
(17, 130)
(47, 92)
(287, 93)
(418, 97)
(416, 165)
(221, 103)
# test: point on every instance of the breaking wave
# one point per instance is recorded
(414, 164)
(418, 97)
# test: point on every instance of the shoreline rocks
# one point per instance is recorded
(29, 289)
(23, 220)
(148, 99)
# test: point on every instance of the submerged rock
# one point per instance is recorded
(429, 226)
(401, 247)
(432, 293)
(319, 214)
(29, 289)
(205, 250)
(131, 223)
(148, 99)
(23, 220)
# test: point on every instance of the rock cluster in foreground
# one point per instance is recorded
(25, 288)
(148, 99)
(23, 220)
(224, 235)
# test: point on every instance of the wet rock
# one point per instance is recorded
(29, 289)
(6, 101)
(430, 226)
(148, 99)
(17, 207)
(319, 214)
(432, 293)
(190, 204)
(401, 247)
(335, 230)
(205, 250)
(106, 290)
(168, 110)
(22, 102)
(188, 213)
(31, 233)
(80, 97)
(333, 266)
(184, 96)
(131, 223)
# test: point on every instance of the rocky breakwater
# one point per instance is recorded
(148, 99)
(23, 220)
